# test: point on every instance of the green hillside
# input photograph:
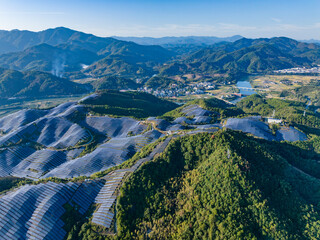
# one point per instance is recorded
(129, 59)
(291, 111)
(115, 65)
(48, 58)
(158, 82)
(113, 82)
(223, 186)
(36, 84)
(132, 104)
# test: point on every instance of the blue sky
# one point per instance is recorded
(251, 18)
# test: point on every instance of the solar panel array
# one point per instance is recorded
(103, 215)
(107, 155)
(20, 118)
(60, 109)
(115, 127)
(57, 134)
(11, 157)
(195, 110)
(39, 162)
(15, 136)
(252, 125)
(86, 194)
(35, 211)
(107, 196)
(290, 134)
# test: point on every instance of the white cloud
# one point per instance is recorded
(32, 13)
(220, 29)
(277, 20)
(235, 27)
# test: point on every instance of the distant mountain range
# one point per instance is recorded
(64, 50)
(311, 41)
(16, 40)
(181, 45)
(167, 41)
(67, 53)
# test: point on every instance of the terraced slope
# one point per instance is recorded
(69, 141)
(45, 143)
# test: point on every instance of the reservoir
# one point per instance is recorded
(241, 85)
(245, 84)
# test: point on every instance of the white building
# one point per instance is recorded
(273, 120)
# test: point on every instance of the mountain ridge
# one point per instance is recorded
(165, 41)
(70, 49)
(248, 56)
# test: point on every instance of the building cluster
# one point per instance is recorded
(175, 90)
(300, 70)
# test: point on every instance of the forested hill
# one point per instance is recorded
(248, 56)
(223, 186)
(44, 57)
(133, 104)
(295, 113)
(129, 59)
(36, 84)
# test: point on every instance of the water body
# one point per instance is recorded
(308, 105)
(309, 102)
(244, 83)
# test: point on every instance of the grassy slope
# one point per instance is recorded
(7, 183)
